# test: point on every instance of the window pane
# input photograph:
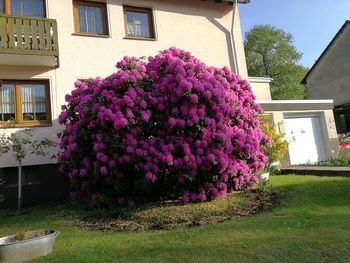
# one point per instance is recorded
(1, 5)
(7, 98)
(90, 19)
(33, 102)
(27, 8)
(138, 24)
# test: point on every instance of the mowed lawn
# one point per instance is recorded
(312, 224)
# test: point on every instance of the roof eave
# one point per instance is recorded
(341, 30)
(231, 1)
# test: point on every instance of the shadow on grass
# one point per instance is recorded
(298, 196)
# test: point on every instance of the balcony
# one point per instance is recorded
(28, 41)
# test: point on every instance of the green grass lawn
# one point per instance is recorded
(312, 224)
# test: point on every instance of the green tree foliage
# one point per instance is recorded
(271, 53)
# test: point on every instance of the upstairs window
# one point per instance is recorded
(139, 23)
(25, 102)
(90, 18)
(35, 8)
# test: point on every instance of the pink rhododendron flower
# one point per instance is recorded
(172, 121)
(211, 157)
(150, 177)
(186, 197)
(83, 172)
(120, 201)
(73, 195)
(104, 170)
(194, 98)
(131, 203)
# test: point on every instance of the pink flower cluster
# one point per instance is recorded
(163, 128)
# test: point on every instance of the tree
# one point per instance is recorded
(271, 53)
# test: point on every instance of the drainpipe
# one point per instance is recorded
(240, 64)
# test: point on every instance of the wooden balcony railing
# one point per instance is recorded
(28, 36)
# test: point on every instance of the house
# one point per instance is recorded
(329, 77)
(46, 45)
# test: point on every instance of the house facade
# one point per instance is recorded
(329, 77)
(47, 45)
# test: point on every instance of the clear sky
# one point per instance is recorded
(313, 23)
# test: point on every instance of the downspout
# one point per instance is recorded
(239, 60)
(235, 59)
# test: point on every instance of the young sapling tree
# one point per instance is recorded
(18, 144)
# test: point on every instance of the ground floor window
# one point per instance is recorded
(25, 102)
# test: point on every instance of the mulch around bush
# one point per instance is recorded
(169, 215)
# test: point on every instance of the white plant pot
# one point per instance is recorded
(12, 250)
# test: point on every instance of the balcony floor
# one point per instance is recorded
(28, 60)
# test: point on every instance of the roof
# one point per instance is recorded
(295, 105)
(339, 33)
(231, 1)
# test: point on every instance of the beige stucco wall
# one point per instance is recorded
(329, 131)
(204, 28)
(260, 87)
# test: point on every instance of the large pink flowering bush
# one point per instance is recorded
(166, 128)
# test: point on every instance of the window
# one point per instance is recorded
(90, 18)
(7, 99)
(138, 23)
(23, 7)
(25, 102)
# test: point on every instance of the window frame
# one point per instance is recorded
(104, 15)
(18, 103)
(6, 7)
(151, 22)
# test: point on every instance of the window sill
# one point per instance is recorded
(25, 125)
(90, 35)
(141, 38)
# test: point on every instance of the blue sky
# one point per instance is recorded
(313, 23)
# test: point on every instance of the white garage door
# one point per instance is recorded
(305, 140)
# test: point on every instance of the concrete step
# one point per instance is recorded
(317, 170)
